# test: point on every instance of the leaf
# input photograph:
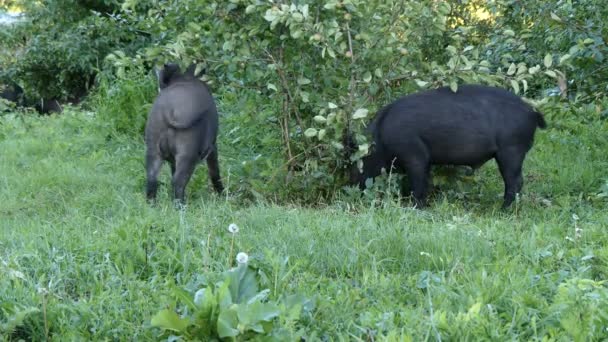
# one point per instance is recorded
(311, 132)
(454, 86)
(468, 48)
(551, 73)
(555, 17)
(320, 119)
(169, 320)
(298, 17)
(452, 50)
(271, 86)
(421, 83)
(515, 86)
(525, 83)
(331, 52)
(509, 33)
(564, 58)
(227, 323)
(322, 133)
(367, 77)
(303, 81)
(512, 69)
(250, 9)
(533, 70)
(588, 41)
(332, 105)
(364, 148)
(378, 72)
(548, 60)
(243, 284)
(360, 113)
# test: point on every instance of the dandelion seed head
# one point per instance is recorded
(233, 228)
(242, 258)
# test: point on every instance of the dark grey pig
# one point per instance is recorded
(181, 129)
(435, 127)
(12, 92)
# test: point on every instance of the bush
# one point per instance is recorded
(125, 102)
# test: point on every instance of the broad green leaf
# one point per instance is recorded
(509, 33)
(452, 50)
(525, 83)
(421, 83)
(322, 133)
(227, 323)
(551, 73)
(332, 105)
(297, 33)
(331, 52)
(243, 284)
(223, 294)
(303, 80)
(250, 9)
(320, 119)
(378, 72)
(311, 132)
(270, 16)
(515, 86)
(512, 69)
(521, 68)
(360, 113)
(298, 17)
(364, 148)
(555, 17)
(337, 145)
(169, 320)
(548, 60)
(367, 77)
(272, 86)
(588, 41)
(564, 58)
(454, 86)
(533, 70)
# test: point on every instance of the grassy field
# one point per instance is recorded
(84, 257)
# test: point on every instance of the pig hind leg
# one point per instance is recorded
(214, 170)
(417, 165)
(184, 167)
(153, 166)
(510, 161)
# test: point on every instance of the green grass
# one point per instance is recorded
(84, 257)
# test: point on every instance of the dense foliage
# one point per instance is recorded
(316, 70)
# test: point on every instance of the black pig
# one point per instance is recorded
(12, 92)
(440, 127)
(181, 129)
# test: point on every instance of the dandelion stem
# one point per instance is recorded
(230, 255)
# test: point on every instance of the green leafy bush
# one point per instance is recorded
(235, 307)
(124, 102)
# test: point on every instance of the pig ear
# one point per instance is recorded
(162, 78)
